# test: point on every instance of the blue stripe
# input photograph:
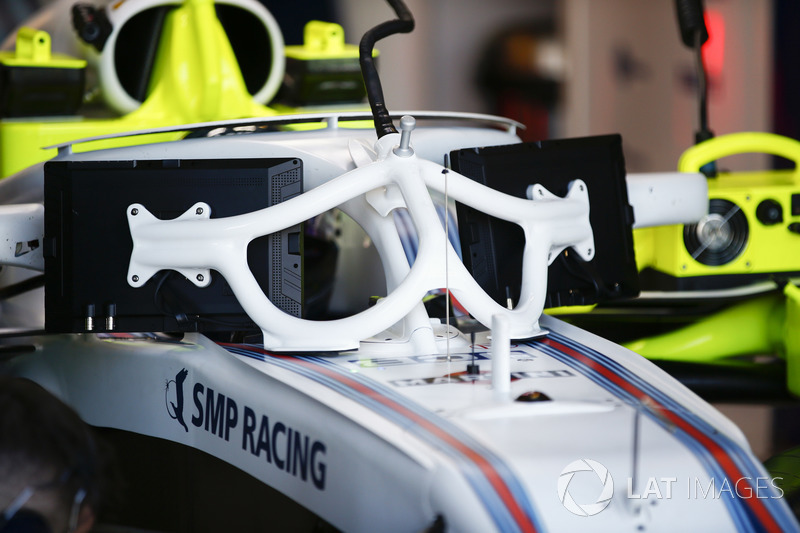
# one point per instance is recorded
(505, 472)
(740, 511)
(742, 459)
(492, 501)
(740, 519)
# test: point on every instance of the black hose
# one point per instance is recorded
(704, 133)
(702, 90)
(403, 24)
(691, 21)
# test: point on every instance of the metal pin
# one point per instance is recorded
(88, 322)
(407, 125)
(111, 312)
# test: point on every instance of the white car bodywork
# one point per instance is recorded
(394, 430)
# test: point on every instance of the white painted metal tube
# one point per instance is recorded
(664, 198)
(501, 356)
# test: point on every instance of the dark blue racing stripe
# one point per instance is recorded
(722, 456)
(503, 495)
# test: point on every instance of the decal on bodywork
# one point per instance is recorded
(482, 355)
(502, 494)
(483, 378)
(284, 447)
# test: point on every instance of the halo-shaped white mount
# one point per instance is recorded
(194, 244)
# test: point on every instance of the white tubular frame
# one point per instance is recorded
(193, 244)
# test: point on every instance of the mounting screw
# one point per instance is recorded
(198, 211)
(134, 211)
(200, 278)
(135, 278)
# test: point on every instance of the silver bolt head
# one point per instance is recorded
(407, 122)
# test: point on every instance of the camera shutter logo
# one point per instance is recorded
(586, 509)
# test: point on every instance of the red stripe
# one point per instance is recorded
(494, 478)
(724, 460)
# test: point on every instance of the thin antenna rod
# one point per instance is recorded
(446, 172)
